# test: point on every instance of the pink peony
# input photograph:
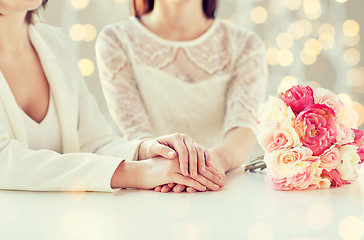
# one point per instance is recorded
(298, 97)
(325, 96)
(330, 159)
(316, 128)
(334, 177)
(359, 142)
(301, 180)
(345, 134)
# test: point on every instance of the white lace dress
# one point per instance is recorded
(203, 87)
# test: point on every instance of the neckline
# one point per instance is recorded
(158, 38)
(50, 108)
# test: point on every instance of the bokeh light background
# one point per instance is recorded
(310, 42)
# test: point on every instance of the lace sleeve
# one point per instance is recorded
(247, 87)
(119, 86)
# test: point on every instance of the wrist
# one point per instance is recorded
(218, 156)
(128, 175)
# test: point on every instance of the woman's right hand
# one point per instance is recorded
(150, 173)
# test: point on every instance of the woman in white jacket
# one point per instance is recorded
(51, 131)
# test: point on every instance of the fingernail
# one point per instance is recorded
(216, 187)
(170, 154)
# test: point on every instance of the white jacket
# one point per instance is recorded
(85, 134)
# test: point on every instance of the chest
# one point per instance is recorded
(26, 79)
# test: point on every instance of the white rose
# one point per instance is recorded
(349, 167)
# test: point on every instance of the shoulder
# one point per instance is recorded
(51, 34)
(240, 37)
(116, 32)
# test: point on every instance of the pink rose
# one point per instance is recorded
(330, 159)
(274, 139)
(324, 96)
(316, 128)
(359, 142)
(298, 97)
(334, 177)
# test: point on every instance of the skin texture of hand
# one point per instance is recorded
(236, 148)
(193, 158)
(150, 173)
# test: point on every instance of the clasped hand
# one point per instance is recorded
(177, 162)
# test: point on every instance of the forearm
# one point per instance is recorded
(128, 175)
(236, 148)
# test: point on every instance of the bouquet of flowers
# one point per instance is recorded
(309, 139)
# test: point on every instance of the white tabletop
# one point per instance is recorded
(246, 208)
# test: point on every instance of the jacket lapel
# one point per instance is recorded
(54, 70)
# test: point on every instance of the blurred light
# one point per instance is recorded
(90, 32)
(260, 231)
(359, 109)
(286, 83)
(351, 56)
(351, 28)
(259, 15)
(355, 80)
(351, 228)
(285, 57)
(284, 40)
(327, 41)
(307, 58)
(307, 26)
(276, 6)
(80, 3)
(341, 1)
(313, 84)
(319, 216)
(75, 223)
(77, 32)
(345, 98)
(296, 30)
(312, 9)
(272, 56)
(327, 28)
(352, 41)
(120, 1)
(86, 66)
(313, 47)
(293, 4)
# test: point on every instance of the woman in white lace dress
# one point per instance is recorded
(52, 134)
(175, 68)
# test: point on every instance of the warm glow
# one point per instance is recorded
(352, 41)
(327, 28)
(285, 57)
(351, 28)
(296, 30)
(352, 56)
(286, 83)
(351, 227)
(319, 216)
(327, 41)
(313, 47)
(272, 56)
(307, 26)
(314, 84)
(261, 230)
(77, 32)
(284, 40)
(359, 109)
(312, 9)
(86, 66)
(80, 3)
(293, 4)
(90, 32)
(120, 1)
(345, 98)
(307, 57)
(259, 15)
(355, 80)
(341, 1)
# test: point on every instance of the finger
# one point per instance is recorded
(207, 183)
(213, 178)
(171, 185)
(182, 153)
(192, 157)
(165, 189)
(216, 173)
(191, 190)
(159, 149)
(179, 188)
(158, 188)
(208, 158)
(180, 179)
(200, 159)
